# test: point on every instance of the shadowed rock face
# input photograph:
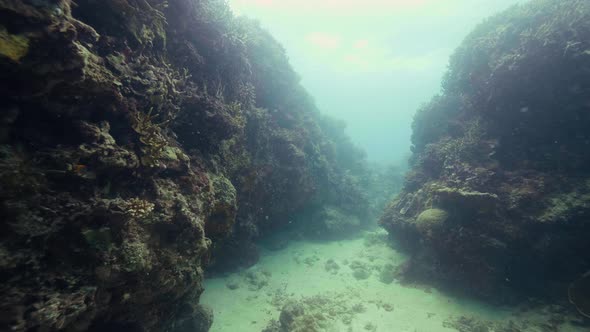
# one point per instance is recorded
(504, 153)
(129, 132)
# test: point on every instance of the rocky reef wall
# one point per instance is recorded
(497, 201)
(140, 141)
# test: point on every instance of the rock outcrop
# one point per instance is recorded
(139, 141)
(498, 198)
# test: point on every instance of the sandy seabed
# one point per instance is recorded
(346, 286)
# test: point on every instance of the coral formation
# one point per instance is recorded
(497, 195)
(138, 208)
(325, 312)
(429, 220)
(141, 140)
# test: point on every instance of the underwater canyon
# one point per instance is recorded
(162, 168)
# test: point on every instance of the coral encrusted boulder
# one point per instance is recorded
(102, 210)
(141, 142)
(498, 197)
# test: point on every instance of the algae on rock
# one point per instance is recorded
(504, 152)
(14, 47)
(141, 141)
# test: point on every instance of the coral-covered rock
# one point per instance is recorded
(135, 136)
(497, 197)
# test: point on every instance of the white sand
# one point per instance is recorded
(299, 271)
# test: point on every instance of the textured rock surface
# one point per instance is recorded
(129, 132)
(504, 152)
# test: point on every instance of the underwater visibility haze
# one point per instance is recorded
(295, 166)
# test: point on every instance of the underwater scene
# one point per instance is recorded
(295, 166)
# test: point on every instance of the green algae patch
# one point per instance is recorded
(14, 47)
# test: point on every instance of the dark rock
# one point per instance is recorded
(579, 294)
(199, 320)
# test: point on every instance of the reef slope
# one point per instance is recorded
(497, 202)
(141, 140)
